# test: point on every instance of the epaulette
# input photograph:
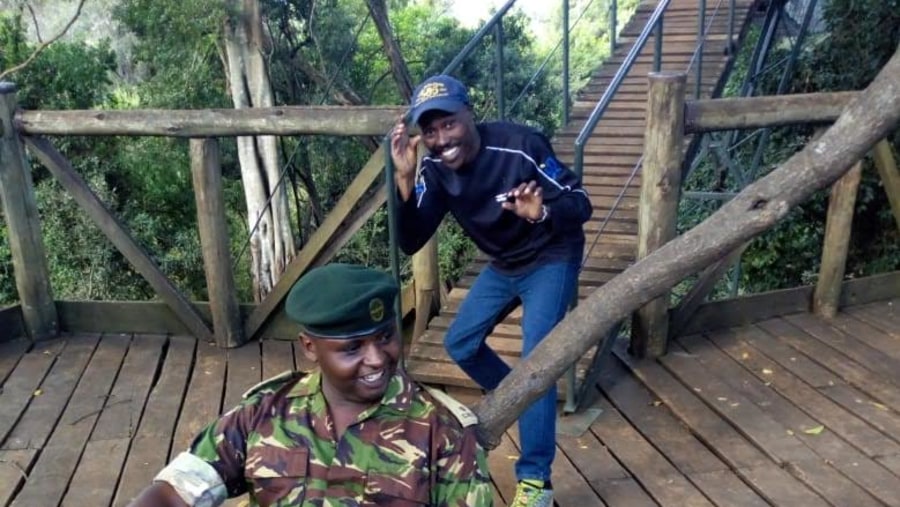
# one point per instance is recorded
(463, 414)
(281, 378)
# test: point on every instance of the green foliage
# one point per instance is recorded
(8, 292)
(175, 61)
(143, 181)
(588, 37)
(861, 36)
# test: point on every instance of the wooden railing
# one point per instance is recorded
(668, 113)
(24, 128)
(669, 119)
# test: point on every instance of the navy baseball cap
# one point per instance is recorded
(440, 92)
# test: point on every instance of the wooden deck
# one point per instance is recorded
(791, 411)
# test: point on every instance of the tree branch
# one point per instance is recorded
(44, 45)
(37, 27)
(866, 120)
(378, 11)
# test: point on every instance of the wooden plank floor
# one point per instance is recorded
(792, 411)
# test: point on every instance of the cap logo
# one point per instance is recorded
(431, 91)
(376, 310)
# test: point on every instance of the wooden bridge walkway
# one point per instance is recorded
(790, 411)
(610, 157)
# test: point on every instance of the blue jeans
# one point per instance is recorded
(545, 293)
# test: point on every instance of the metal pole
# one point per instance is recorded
(701, 40)
(731, 44)
(565, 76)
(470, 46)
(613, 10)
(657, 53)
(498, 37)
(392, 233)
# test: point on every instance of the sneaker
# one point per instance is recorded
(531, 493)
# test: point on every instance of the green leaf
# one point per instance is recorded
(814, 431)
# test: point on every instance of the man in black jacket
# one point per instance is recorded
(522, 207)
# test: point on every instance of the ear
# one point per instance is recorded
(309, 347)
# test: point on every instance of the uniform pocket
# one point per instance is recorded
(391, 490)
(275, 474)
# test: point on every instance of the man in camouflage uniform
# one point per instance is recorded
(357, 431)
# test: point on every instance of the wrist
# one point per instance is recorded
(545, 214)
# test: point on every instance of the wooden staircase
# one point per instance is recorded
(609, 159)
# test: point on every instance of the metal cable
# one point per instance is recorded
(540, 69)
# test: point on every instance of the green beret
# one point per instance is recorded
(342, 301)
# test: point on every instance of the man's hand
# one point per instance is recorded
(528, 203)
(403, 153)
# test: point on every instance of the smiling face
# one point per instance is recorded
(451, 136)
(355, 371)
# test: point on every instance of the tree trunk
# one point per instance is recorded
(378, 10)
(271, 238)
(866, 120)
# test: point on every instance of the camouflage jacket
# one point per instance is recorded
(279, 446)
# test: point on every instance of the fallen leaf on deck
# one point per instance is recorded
(38, 392)
(814, 431)
(767, 371)
(879, 406)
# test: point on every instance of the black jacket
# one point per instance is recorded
(510, 154)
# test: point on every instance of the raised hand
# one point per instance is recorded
(528, 202)
(403, 153)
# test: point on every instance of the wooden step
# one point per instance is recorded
(424, 364)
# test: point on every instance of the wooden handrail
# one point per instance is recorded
(286, 120)
(755, 112)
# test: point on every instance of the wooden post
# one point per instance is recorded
(223, 304)
(890, 177)
(20, 209)
(837, 243)
(118, 234)
(426, 275)
(660, 186)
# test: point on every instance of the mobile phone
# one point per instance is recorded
(505, 197)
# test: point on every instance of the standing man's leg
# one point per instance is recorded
(465, 341)
(546, 293)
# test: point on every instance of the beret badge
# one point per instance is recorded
(376, 310)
